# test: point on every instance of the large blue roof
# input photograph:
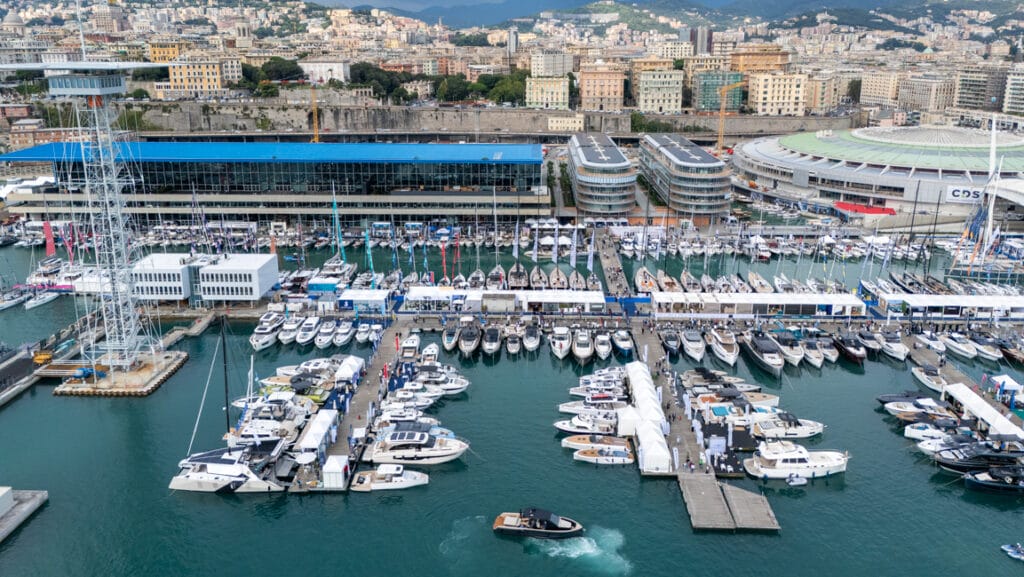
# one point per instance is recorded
(293, 152)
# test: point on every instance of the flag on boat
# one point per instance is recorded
(590, 253)
(572, 250)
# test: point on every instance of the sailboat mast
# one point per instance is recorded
(224, 345)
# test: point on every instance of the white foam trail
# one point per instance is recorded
(599, 550)
(462, 529)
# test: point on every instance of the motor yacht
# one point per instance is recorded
(869, 341)
(325, 335)
(959, 345)
(593, 402)
(450, 337)
(228, 470)
(929, 376)
(923, 432)
(409, 348)
(925, 406)
(604, 456)
(307, 331)
(931, 340)
(343, 333)
(603, 345)
(289, 330)
(577, 442)
(583, 346)
(892, 345)
(386, 478)
(560, 341)
(976, 456)
(492, 340)
(670, 340)
(513, 343)
(586, 425)
(536, 523)
(266, 331)
(362, 333)
(531, 338)
(813, 353)
(376, 332)
(765, 352)
(850, 348)
(693, 344)
(987, 347)
(785, 459)
(786, 426)
(430, 355)
(469, 339)
(723, 345)
(623, 342)
(405, 447)
(789, 346)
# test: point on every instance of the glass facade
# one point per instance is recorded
(603, 181)
(698, 190)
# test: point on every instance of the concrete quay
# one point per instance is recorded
(25, 503)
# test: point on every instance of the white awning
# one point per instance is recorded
(980, 408)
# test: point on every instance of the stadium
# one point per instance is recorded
(877, 170)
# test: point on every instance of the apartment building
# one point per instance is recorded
(551, 63)
(602, 87)
(660, 91)
(551, 93)
(926, 93)
(706, 86)
(759, 58)
(777, 94)
(880, 88)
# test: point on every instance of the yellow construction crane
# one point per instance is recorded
(316, 116)
(722, 92)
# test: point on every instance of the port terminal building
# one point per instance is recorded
(264, 181)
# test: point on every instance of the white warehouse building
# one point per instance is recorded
(238, 277)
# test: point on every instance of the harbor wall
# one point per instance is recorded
(298, 117)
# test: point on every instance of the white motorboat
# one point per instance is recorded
(789, 346)
(959, 345)
(469, 339)
(386, 478)
(813, 353)
(604, 456)
(924, 406)
(592, 403)
(513, 343)
(325, 335)
(929, 376)
(227, 470)
(577, 442)
(492, 340)
(450, 383)
(406, 448)
(266, 331)
(892, 345)
(450, 337)
(783, 459)
(409, 349)
(308, 330)
(765, 352)
(723, 345)
(693, 344)
(930, 340)
(923, 432)
(343, 333)
(421, 388)
(560, 341)
(869, 341)
(786, 426)
(289, 330)
(531, 338)
(583, 346)
(987, 347)
(586, 425)
(603, 345)
(362, 333)
(623, 342)
(828, 349)
(430, 354)
(376, 332)
(41, 298)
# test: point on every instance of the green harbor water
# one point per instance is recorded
(107, 462)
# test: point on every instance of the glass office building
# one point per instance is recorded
(692, 182)
(259, 181)
(603, 179)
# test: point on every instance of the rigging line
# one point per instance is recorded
(209, 377)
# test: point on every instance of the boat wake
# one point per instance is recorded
(463, 530)
(599, 549)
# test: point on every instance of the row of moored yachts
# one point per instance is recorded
(583, 343)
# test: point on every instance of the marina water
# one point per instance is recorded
(107, 462)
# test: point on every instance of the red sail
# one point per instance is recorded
(51, 249)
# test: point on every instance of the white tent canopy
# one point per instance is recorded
(1007, 383)
(974, 405)
(654, 454)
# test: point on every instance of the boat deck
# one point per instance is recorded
(25, 504)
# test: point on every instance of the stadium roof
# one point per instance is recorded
(270, 152)
(945, 148)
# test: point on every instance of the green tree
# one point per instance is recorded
(574, 89)
(139, 93)
(508, 89)
(441, 92)
(266, 89)
(278, 68)
(479, 39)
(853, 89)
(151, 74)
(678, 64)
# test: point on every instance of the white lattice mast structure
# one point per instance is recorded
(127, 331)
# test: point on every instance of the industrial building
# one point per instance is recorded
(257, 181)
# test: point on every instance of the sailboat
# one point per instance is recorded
(645, 281)
(577, 282)
(557, 279)
(538, 279)
(517, 277)
(477, 278)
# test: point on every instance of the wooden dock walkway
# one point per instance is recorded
(615, 281)
(925, 355)
(711, 504)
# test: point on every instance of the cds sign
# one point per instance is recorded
(963, 194)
